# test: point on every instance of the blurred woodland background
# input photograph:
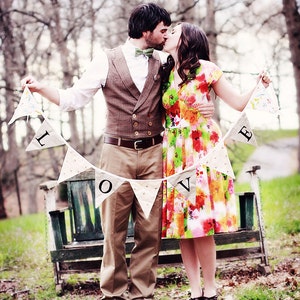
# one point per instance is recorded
(55, 39)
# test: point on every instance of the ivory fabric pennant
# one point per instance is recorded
(73, 164)
(146, 192)
(218, 159)
(45, 137)
(241, 131)
(264, 99)
(105, 185)
(26, 107)
(185, 183)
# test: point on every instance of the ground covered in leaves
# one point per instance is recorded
(284, 277)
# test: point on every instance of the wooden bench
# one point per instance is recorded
(75, 238)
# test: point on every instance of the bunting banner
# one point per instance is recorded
(73, 164)
(185, 183)
(146, 192)
(264, 99)
(241, 131)
(105, 185)
(45, 137)
(26, 107)
(218, 159)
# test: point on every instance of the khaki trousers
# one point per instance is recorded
(115, 212)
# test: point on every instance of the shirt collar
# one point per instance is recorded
(129, 48)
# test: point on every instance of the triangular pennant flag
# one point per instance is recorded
(73, 164)
(146, 192)
(185, 183)
(241, 131)
(218, 159)
(105, 185)
(45, 137)
(264, 99)
(27, 106)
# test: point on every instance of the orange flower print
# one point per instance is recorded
(200, 200)
(179, 221)
(191, 116)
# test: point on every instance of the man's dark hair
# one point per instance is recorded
(146, 17)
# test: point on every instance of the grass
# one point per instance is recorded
(24, 257)
(261, 293)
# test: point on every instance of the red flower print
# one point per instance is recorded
(202, 83)
(191, 99)
(208, 225)
(217, 227)
(174, 110)
(196, 137)
(214, 137)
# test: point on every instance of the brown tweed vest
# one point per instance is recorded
(132, 114)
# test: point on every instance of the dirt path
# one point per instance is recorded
(277, 159)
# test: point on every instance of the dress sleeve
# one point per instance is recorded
(212, 72)
(86, 87)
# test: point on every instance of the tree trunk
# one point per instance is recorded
(3, 214)
(10, 65)
(292, 19)
(211, 32)
(9, 158)
(59, 39)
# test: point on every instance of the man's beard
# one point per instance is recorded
(151, 44)
(159, 47)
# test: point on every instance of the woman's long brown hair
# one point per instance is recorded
(193, 45)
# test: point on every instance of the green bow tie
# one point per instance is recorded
(147, 52)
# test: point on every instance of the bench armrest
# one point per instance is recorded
(59, 230)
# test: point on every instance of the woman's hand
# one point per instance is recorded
(265, 78)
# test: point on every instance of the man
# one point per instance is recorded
(130, 82)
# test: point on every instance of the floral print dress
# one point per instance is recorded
(188, 137)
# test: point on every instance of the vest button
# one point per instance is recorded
(136, 133)
(135, 124)
(149, 132)
(150, 123)
(134, 116)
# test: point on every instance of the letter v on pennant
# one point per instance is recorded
(185, 183)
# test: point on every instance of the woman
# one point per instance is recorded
(189, 76)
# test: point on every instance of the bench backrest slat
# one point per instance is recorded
(85, 220)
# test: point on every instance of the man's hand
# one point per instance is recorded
(207, 110)
(44, 90)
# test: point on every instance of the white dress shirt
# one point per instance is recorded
(95, 76)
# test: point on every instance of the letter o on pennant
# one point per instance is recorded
(105, 186)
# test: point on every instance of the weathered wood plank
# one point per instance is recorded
(244, 236)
